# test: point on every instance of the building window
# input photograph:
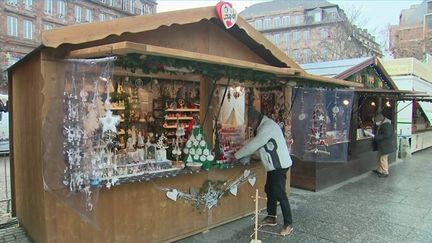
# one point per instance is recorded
(306, 35)
(286, 37)
(28, 4)
(330, 14)
(267, 24)
(286, 20)
(132, 6)
(258, 24)
(307, 55)
(102, 17)
(277, 38)
(298, 19)
(48, 26)
(146, 9)
(317, 16)
(324, 34)
(28, 29)
(296, 36)
(61, 8)
(296, 54)
(89, 15)
(277, 22)
(428, 19)
(12, 25)
(12, 2)
(77, 14)
(324, 53)
(48, 6)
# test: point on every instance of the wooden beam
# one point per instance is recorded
(118, 71)
(124, 48)
(329, 80)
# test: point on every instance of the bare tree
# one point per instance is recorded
(345, 38)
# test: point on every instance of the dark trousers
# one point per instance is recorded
(276, 192)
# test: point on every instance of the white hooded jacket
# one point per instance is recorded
(271, 144)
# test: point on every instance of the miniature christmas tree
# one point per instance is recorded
(317, 136)
(197, 150)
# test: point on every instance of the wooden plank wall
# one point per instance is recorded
(27, 144)
(140, 212)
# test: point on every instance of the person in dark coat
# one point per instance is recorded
(385, 140)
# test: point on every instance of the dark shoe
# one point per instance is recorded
(287, 230)
(376, 172)
(269, 221)
(383, 175)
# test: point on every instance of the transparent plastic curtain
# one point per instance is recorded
(76, 140)
(321, 121)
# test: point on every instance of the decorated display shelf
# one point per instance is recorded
(179, 118)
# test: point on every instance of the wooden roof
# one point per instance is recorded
(123, 48)
(373, 61)
(136, 24)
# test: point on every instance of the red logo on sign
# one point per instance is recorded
(226, 13)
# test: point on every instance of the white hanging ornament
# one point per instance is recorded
(109, 122)
(233, 190)
(84, 95)
(252, 180)
(335, 109)
(246, 173)
(172, 194)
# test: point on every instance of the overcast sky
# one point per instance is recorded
(376, 14)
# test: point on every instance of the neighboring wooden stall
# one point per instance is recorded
(378, 95)
(133, 212)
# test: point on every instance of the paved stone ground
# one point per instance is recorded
(364, 209)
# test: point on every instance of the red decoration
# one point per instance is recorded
(226, 13)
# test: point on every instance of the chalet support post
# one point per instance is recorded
(206, 94)
(380, 105)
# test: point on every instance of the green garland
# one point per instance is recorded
(155, 64)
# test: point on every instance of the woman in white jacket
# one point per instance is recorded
(270, 142)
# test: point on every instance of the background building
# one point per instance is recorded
(22, 21)
(413, 36)
(414, 117)
(311, 31)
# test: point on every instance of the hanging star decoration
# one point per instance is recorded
(317, 135)
(321, 117)
(109, 122)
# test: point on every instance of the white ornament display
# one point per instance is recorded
(109, 122)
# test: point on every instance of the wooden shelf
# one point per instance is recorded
(182, 110)
(118, 108)
(170, 127)
(179, 118)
